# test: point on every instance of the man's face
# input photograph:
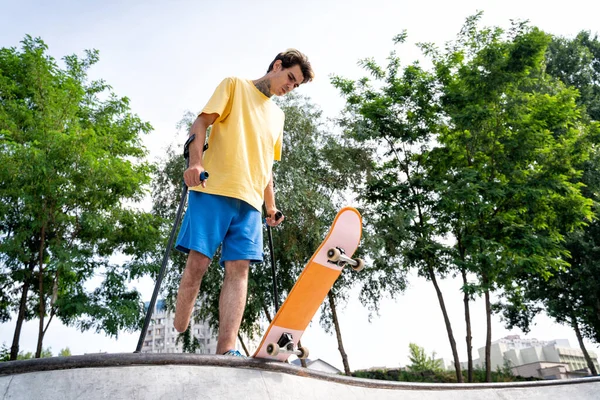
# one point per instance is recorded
(284, 80)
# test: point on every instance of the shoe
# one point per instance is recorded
(234, 353)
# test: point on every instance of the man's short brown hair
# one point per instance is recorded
(292, 57)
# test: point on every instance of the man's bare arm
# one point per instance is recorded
(270, 204)
(191, 176)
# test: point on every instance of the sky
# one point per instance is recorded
(168, 56)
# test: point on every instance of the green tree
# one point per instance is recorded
(576, 62)
(421, 362)
(190, 343)
(66, 352)
(72, 161)
(4, 353)
(482, 153)
(510, 154)
(391, 123)
(45, 353)
(570, 296)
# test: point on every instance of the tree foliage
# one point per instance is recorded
(570, 296)
(66, 352)
(420, 361)
(72, 167)
(476, 163)
(390, 119)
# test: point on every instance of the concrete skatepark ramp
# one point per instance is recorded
(188, 376)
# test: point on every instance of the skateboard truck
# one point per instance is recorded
(337, 255)
(285, 345)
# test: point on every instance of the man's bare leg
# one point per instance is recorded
(195, 268)
(232, 303)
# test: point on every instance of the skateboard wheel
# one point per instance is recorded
(360, 264)
(333, 255)
(272, 349)
(303, 353)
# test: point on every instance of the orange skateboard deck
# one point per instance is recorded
(320, 273)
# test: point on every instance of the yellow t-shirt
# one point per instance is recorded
(245, 139)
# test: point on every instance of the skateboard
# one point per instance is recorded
(311, 288)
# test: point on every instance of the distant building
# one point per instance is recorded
(515, 342)
(554, 359)
(162, 336)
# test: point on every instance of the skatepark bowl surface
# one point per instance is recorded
(190, 376)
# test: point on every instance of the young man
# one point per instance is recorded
(246, 136)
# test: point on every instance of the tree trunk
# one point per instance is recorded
(243, 345)
(267, 313)
(469, 338)
(459, 377)
(488, 336)
(598, 308)
(14, 349)
(42, 310)
(336, 324)
(589, 361)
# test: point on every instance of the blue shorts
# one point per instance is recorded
(211, 220)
